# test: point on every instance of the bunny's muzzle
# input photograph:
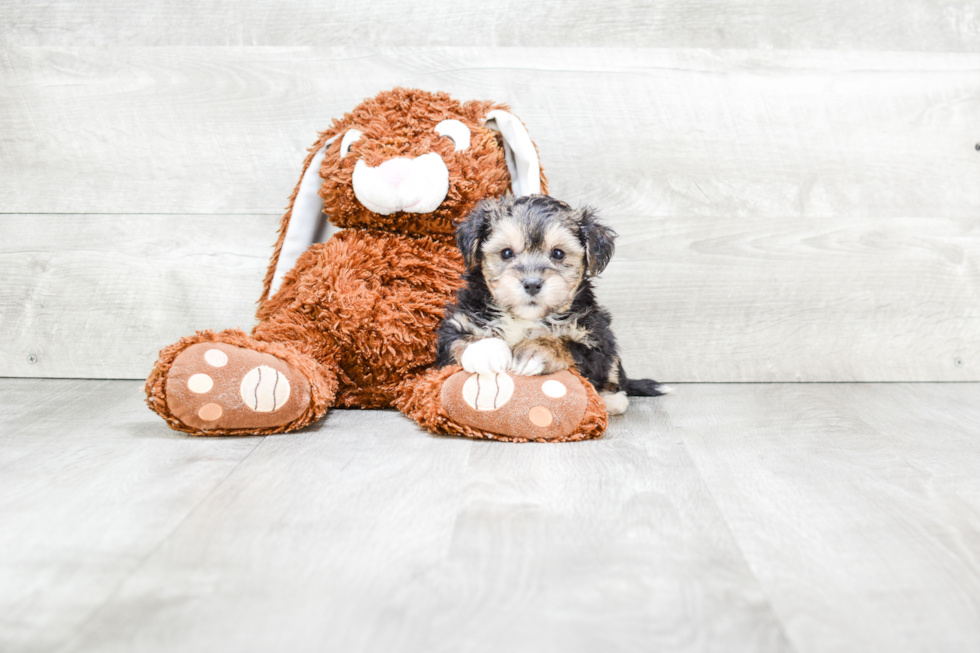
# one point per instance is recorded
(417, 185)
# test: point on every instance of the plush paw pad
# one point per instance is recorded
(533, 407)
(216, 386)
(487, 391)
(264, 389)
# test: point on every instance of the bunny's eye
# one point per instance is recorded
(349, 138)
(455, 131)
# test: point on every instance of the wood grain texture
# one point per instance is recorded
(365, 534)
(786, 216)
(693, 299)
(634, 131)
(857, 506)
(99, 295)
(796, 299)
(952, 25)
(89, 488)
(755, 517)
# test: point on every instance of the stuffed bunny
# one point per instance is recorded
(351, 322)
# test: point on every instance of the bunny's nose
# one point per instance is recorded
(394, 171)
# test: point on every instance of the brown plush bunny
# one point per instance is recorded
(351, 322)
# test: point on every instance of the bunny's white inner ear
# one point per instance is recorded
(522, 158)
(306, 223)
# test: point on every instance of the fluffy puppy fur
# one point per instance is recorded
(528, 306)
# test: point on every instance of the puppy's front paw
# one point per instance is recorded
(530, 364)
(486, 356)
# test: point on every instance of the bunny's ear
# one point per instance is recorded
(302, 225)
(522, 157)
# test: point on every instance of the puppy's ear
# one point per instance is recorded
(473, 232)
(599, 241)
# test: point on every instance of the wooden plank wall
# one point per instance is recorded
(796, 185)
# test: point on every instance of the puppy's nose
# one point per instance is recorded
(533, 286)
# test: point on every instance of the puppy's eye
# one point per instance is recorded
(507, 253)
(557, 254)
(349, 139)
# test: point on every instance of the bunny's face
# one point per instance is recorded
(412, 162)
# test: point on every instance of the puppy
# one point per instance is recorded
(528, 305)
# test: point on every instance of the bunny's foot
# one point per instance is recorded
(554, 408)
(230, 384)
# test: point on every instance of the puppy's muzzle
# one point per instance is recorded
(532, 285)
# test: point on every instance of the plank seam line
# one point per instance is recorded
(57, 398)
(667, 381)
(123, 213)
(964, 382)
(80, 630)
(461, 489)
(771, 608)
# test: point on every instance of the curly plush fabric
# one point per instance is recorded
(354, 321)
(370, 301)
(399, 123)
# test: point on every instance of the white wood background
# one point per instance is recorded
(796, 187)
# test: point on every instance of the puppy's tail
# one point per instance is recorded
(646, 388)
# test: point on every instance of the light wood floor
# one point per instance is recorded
(781, 517)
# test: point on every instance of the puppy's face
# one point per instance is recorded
(533, 265)
(534, 252)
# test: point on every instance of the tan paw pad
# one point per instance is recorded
(210, 412)
(533, 407)
(213, 386)
(540, 416)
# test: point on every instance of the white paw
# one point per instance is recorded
(527, 365)
(486, 356)
(617, 403)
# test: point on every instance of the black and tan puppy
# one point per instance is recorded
(528, 305)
